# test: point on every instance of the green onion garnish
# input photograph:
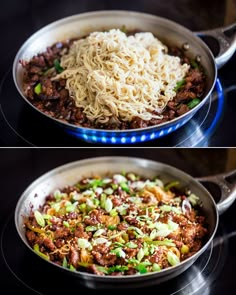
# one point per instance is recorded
(38, 88)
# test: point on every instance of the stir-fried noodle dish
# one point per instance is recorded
(113, 80)
(118, 224)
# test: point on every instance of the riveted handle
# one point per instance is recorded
(226, 37)
(227, 185)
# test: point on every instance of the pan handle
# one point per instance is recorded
(227, 185)
(226, 38)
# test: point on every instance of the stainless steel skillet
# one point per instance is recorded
(68, 174)
(167, 31)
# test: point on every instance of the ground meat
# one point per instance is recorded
(95, 217)
(116, 202)
(106, 259)
(59, 243)
(182, 109)
(80, 233)
(122, 226)
(31, 236)
(131, 252)
(131, 271)
(74, 257)
(61, 232)
(92, 268)
(48, 243)
(101, 248)
(131, 220)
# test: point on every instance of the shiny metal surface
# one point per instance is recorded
(70, 173)
(226, 38)
(78, 25)
(227, 185)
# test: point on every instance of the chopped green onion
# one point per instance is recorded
(108, 191)
(71, 207)
(108, 205)
(114, 186)
(65, 223)
(38, 88)
(96, 182)
(172, 258)
(118, 244)
(193, 199)
(82, 207)
(131, 245)
(83, 243)
(194, 103)
(113, 212)
(119, 252)
(57, 195)
(124, 187)
(101, 241)
(99, 232)
(48, 71)
(57, 66)
(156, 267)
(103, 200)
(117, 268)
(36, 249)
(133, 261)
(102, 269)
(167, 208)
(170, 185)
(47, 216)
(39, 218)
(83, 264)
(123, 29)
(136, 229)
(194, 64)
(111, 227)
(153, 234)
(64, 263)
(173, 226)
(159, 183)
(163, 233)
(165, 242)
(141, 267)
(96, 202)
(140, 254)
(179, 84)
(91, 228)
(152, 249)
(72, 267)
(131, 176)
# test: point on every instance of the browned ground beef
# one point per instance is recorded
(54, 99)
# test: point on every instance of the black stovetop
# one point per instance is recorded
(20, 125)
(24, 273)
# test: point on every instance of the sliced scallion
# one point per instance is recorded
(38, 88)
(172, 258)
(39, 218)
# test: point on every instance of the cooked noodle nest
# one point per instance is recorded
(110, 74)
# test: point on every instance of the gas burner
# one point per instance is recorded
(195, 280)
(23, 126)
